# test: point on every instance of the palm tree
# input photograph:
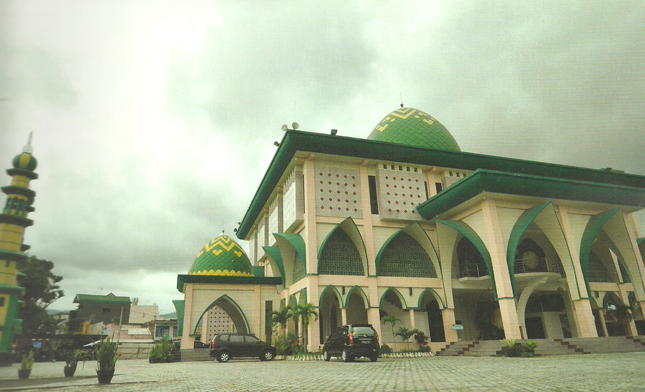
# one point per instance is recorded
(405, 333)
(305, 312)
(391, 319)
(281, 317)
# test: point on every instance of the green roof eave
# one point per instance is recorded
(530, 185)
(108, 299)
(22, 172)
(294, 141)
(11, 255)
(16, 220)
(18, 190)
(183, 279)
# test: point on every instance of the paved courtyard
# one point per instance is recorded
(603, 372)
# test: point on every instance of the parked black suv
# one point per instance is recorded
(352, 341)
(232, 345)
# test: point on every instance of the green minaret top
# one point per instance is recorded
(413, 127)
(25, 160)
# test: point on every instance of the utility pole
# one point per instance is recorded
(120, 320)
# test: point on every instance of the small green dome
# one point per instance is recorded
(413, 127)
(25, 161)
(222, 256)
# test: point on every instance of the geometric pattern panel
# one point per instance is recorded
(340, 256)
(400, 190)
(337, 192)
(405, 257)
(298, 271)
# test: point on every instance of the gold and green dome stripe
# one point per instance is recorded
(25, 161)
(413, 127)
(222, 256)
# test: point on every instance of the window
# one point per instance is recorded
(438, 186)
(373, 196)
(1, 301)
(251, 339)
(236, 338)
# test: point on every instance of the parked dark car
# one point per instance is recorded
(352, 341)
(232, 345)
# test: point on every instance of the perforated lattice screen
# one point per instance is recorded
(340, 256)
(298, 269)
(404, 257)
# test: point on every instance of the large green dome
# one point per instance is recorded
(413, 127)
(222, 256)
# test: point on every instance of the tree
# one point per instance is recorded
(41, 289)
(281, 317)
(305, 312)
(405, 333)
(391, 319)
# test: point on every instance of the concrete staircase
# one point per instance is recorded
(611, 344)
(457, 348)
(571, 346)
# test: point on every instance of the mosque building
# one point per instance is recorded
(458, 245)
(13, 222)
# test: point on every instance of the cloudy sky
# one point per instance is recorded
(154, 121)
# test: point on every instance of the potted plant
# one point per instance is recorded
(106, 357)
(26, 365)
(71, 360)
(529, 348)
(511, 348)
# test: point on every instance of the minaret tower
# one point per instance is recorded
(13, 221)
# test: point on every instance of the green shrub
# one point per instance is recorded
(530, 346)
(385, 349)
(288, 345)
(161, 352)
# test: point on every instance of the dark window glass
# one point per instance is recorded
(251, 339)
(363, 331)
(236, 338)
(373, 196)
(438, 186)
(1, 301)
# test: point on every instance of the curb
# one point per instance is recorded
(320, 357)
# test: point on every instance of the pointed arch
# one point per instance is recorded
(419, 235)
(293, 251)
(275, 260)
(360, 292)
(468, 232)
(331, 288)
(616, 229)
(544, 216)
(231, 308)
(293, 301)
(397, 293)
(348, 226)
(434, 294)
(610, 296)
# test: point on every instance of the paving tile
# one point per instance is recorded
(602, 372)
